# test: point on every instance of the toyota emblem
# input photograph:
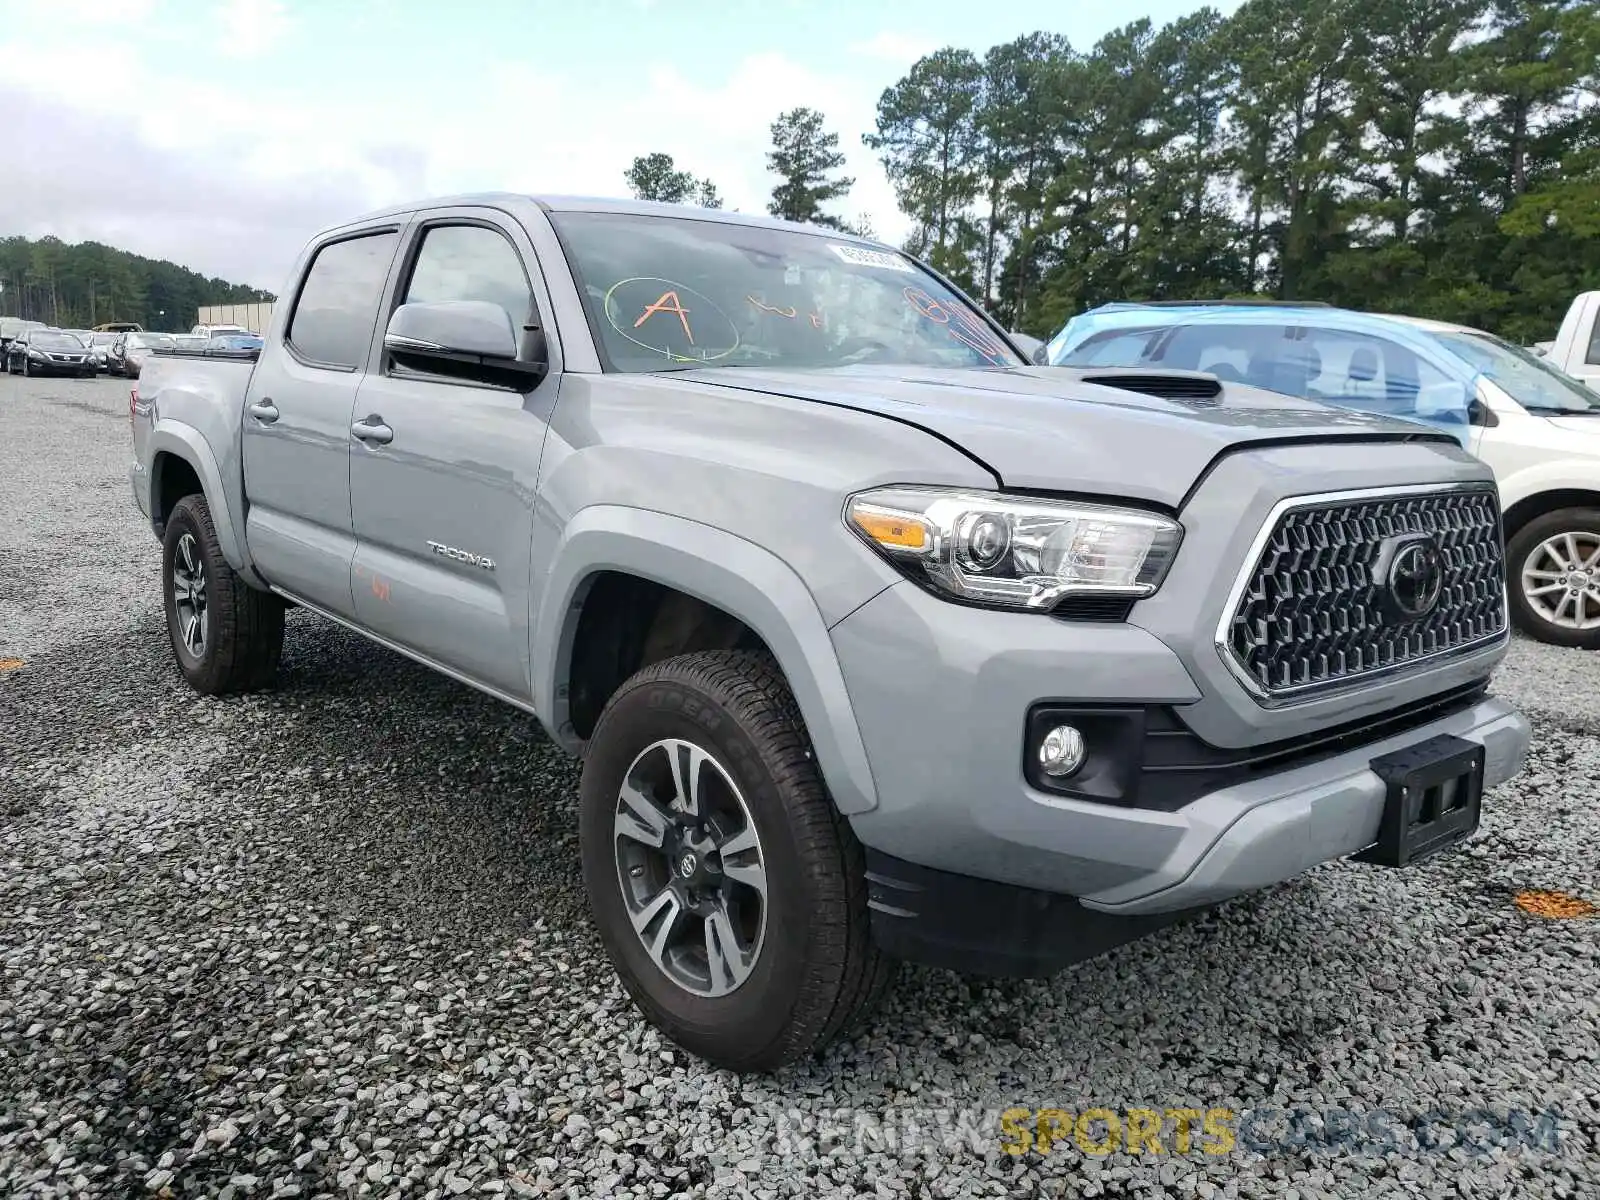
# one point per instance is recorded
(1415, 578)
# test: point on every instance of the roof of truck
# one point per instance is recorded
(552, 202)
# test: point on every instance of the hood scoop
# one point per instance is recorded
(1194, 387)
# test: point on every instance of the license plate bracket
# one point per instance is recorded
(1433, 799)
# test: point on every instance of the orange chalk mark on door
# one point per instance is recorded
(662, 305)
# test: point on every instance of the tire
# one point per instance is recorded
(27, 367)
(815, 970)
(1530, 563)
(241, 632)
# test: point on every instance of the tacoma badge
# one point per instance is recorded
(465, 556)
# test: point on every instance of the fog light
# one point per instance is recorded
(1061, 751)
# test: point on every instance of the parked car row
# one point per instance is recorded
(32, 348)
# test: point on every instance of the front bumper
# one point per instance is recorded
(1253, 835)
(36, 367)
(942, 694)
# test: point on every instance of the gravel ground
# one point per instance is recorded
(307, 944)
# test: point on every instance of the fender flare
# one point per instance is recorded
(186, 442)
(719, 568)
(1562, 475)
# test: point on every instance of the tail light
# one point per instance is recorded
(133, 401)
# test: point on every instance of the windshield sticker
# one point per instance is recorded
(862, 257)
(961, 325)
(670, 319)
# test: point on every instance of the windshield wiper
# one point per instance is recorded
(1555, 410)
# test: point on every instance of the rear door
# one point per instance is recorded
(443, 508)
(297, 420)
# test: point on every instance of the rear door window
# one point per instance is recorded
(331, 325)
(1594, 340)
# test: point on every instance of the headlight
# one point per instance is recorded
(1012, 551)
(32, 353)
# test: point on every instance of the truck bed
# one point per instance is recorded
(198, 397)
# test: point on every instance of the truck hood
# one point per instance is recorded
(1045, 428)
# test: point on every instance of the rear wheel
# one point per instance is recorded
(226, 635)
(1554, 569)
(729, 893)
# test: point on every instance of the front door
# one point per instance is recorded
(443, 503)
(297, 423)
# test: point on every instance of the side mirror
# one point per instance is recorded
(1479, 413)
(469, 339)
(1030, 347)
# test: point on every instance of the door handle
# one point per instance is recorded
(264, 411)
(372, 430)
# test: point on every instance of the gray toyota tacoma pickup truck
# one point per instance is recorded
(878, 643)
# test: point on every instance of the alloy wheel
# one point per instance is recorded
(189, 594)
(690, 864)
(1561, 580)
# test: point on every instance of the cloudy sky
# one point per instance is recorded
(220, 133)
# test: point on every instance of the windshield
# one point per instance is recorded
(102, 339)
(1528, 379)
(54, 341)
(662, 291)
(146, 341)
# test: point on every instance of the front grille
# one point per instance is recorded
(1316, 610)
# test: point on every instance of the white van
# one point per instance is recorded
(1576, 349)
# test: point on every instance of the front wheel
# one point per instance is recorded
(729, 894)
(1554, 568)
(226, 635)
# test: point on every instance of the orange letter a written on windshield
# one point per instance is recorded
(668, 302)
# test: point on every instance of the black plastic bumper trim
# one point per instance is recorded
(1145, 756)
(980, 927)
